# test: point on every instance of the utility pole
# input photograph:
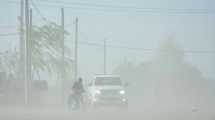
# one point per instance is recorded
(30, 52)
(26, 55)
(62, 27)
(21, 45)
(105, 54)
(76, 47)
(62, 46)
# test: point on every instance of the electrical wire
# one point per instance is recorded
(9, 34)
(44, 19)
(144, 49)
(121, 8)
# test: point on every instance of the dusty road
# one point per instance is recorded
(21, 113)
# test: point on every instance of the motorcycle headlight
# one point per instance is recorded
(122, 92)
(98, 92)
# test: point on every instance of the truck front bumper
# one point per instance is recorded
(110, 101)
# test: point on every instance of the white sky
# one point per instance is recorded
(132, 29)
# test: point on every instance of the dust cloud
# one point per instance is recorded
(67, 63)
(168, 87)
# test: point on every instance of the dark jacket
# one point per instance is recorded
(78, 87)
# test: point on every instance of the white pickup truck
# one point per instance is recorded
(107, 90)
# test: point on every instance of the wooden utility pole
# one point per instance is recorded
(105, 54)
(21, 45)
(30, 52)
(76, 48)
(62, 46)
(26, 55)
(62, 29)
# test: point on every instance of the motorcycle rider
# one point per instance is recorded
(78, 86)
(77, 91)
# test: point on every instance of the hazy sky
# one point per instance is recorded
(121, 28)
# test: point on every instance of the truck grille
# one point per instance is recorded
(110, 92)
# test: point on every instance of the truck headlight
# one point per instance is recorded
(98, 92)
(124, 100)
(122, 92)
(94, 99)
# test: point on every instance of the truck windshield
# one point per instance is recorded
(108, 81)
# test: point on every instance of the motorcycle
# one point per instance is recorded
(75, 101)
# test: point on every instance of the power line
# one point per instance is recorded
(144, 49)
(128, 48)
(136, 10)
(121, 8)
(38, 11)
(8, 26)
(9, 34)
(200, 52)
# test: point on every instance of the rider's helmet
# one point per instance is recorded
(80, 80)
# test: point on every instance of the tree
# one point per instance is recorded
(169, 79)
(8, 62)
(47, 50)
